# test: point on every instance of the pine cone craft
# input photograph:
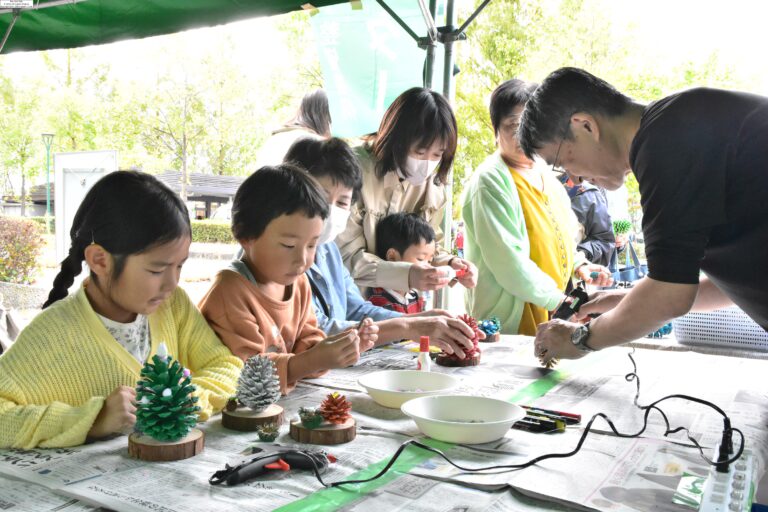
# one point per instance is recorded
(491, 328)
(259, 385)
(471, 355)
(310, 418)
(335, 408)
(269, 432)
(165, 407)
(621, 226)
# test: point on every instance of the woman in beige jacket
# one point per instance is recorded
(405, 167)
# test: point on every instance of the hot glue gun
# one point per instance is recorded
(272, 458)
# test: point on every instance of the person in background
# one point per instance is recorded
(520, 229)
(312, 120)
(71, 374)
(591, 208)
(337, 300)
(460, 239)
(262, 303)
(405, 166)
(402, 237)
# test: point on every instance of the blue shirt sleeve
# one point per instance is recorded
(358, 308)
(330, 326)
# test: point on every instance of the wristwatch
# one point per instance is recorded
(579, 338)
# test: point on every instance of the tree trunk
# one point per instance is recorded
(23, 194)
(184, 167)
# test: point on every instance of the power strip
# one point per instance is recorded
(732, 491)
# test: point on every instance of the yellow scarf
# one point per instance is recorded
(551, 244)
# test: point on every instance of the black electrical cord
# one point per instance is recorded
(647, 411)
(722, 463)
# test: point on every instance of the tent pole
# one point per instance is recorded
(16, 14)
(449, 91)
(429, 19)
(398, 19)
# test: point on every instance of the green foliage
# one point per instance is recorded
(41, 222)
(211, 231)
(20, 246)
(495, 51)
(165, 407)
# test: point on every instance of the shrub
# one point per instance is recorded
(20, 245)
(212, 232)
(41, 222)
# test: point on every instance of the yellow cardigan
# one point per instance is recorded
(56, 377)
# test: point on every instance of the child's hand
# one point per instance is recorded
(468, 278)
(337, 351)
(424, 276)
(117, 415)
(368, 335)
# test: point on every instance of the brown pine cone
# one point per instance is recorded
(335, 408)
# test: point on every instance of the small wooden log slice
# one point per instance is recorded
(451, 360)
(150, 449)
(324, 434)
(493, 338)
(247, 420)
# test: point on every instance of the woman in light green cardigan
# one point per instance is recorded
(520, 230)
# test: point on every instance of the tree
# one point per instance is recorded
(231, 114)
(79, 89)
(496, 50)
(174, 121)
(19, 138)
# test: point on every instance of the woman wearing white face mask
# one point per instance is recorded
(405, 166)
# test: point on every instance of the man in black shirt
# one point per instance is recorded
(701, 160)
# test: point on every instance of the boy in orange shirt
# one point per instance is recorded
(262, 303)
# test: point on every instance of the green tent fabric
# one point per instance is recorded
(368, 59)
(71, 25)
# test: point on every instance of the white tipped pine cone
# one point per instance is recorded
(259, 385)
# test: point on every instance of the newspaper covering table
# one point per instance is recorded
(609, 474)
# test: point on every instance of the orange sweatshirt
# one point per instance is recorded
(249, 322)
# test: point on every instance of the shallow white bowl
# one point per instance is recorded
(392, 388)
(463, 419)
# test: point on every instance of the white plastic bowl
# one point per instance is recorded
(392, 388)
(463, 419)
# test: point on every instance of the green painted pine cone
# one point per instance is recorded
(165, 407)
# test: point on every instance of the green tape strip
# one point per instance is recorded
(331, 499)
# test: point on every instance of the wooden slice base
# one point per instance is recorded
(493, 338)
(247, 420)
(451, 360)
(147, 448)
(325, 433)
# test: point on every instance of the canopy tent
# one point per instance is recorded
(56, 24)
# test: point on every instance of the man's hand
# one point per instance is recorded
(600, 302)
(553, 341)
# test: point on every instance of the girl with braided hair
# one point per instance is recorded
(71, 373)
